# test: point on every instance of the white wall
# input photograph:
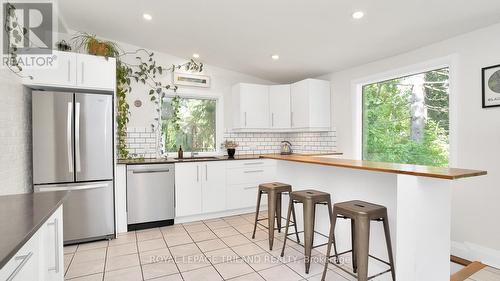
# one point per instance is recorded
(475, 133)
(15, 135)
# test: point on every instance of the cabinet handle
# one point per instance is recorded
(69, 71)
(206, 172)
(24, 259)
(254, 171)
(253, 163)
(83, 73)
(56, 245)
(197, 173)
(272, 119)
(245, 119)
(291, 118)
(250, 187)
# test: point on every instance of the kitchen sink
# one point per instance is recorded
(198, 158)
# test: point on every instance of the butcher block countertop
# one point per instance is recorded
(405, 169)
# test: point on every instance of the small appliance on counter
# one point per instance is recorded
(286, 148)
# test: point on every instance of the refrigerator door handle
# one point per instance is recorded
(74, 187)
(68, 136)
(77, 137)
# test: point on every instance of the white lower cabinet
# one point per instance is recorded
(41, 258)
(200, 187)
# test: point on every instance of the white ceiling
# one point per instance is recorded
(312, 37)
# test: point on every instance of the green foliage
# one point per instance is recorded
(13, 31)
(387, 122)
(193, 126)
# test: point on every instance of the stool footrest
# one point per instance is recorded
(266, 227)
(321, 245)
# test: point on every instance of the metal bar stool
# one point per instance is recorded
(273, 191)
(309, 198)
(360, 213)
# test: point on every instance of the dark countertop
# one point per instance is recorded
(214, 158)
(21, 216)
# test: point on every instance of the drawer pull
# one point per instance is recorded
(24, 259)
(250, 187)
(253, 163)
(55, 224)
(254, 171)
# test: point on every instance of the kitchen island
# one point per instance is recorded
(418, 200)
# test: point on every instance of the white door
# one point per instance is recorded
(214, 186)
(279, 106)
(188, 180)
(53, 254)
(62, 72)
(300, 104)
(96, 72)
(254, 106)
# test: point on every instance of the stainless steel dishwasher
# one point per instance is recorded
(150, 196)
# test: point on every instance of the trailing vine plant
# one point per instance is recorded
(18, 33)
(143, 70)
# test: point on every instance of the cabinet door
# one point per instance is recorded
(96, 72)
(214, 186)
(279, 106)
(300, 104)
(188, 180)
(254, 106)
(62, 73)
(52, 261)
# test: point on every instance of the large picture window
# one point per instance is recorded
(190, 122)
(406, 120)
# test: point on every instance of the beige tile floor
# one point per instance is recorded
(217, 249)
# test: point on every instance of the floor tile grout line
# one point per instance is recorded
(105, 261)
(171, 255)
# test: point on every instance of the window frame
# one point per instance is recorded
(219, 125)
(357, 99)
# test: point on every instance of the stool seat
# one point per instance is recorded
(315, 196)
(275, 186)
(357, 208)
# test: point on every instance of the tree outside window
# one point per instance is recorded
(406, 120)
(194, 126)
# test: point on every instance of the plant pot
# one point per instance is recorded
(231, 152)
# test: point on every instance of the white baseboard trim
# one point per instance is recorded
(217, 215)
(474, 252)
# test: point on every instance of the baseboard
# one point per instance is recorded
(474, 252)
(217, 215)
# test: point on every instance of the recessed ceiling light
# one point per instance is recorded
(358, 15)
(196, 56)
(147, 16)
(275, 57)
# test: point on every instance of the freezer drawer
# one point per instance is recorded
(150, 193)
(88, 212)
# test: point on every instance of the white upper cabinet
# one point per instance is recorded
(62, 72)
(73, 70)
(93, 72)
(251, 106)
(310, 105)
(279, 106)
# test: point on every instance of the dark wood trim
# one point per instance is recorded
(459, 260)
(467, 272)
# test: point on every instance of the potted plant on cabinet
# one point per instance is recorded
(231, 148)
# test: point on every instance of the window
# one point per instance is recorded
(194, 127)
(406, 120)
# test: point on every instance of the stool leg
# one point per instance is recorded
(308, 232)
(278, 211)
(331, 240)
(362, 241)
(353, 245)
(290, 210)
(271, 211)
(294, 221)
(259, 195)
(333, 219)
(389, 246)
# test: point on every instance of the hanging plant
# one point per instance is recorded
(145, 70)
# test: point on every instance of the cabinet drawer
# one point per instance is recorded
(25, 264)
(250, 163)
(255, 174)
(241, 196)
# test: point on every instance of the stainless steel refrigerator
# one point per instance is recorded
(73, 150)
